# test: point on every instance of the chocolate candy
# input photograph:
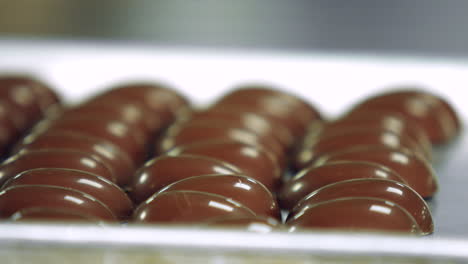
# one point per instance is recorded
(252, 161)
(294, 113)
(187, 207)
(359, 137)
(199, 131)
(388, 190)
(23, 101)
(17, 91)
(160, 99)
(114, 158)
(355, 214)
(242, 189)
(313, 178)
(432, 113)
(51, 214)
(415, 171)
(17, 198)
(53, 159)
(99, 188)
(97, 111)
(164, 170)
(127, 138)
(130, 112)
(10, 116)
(389, 121)
(240, 118)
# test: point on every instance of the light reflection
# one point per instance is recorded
(22, 95)
(399, 157)
(221, 206)
(142, 215)
(380, 209)
(250, 152)
(297, 186)
(259, 227)
(391, 140)
(117, 129)
(301, 212)
(91, 183)
(143, 178)
(167, 143)
(88, 162)
(221, 170)
(242, 186)
(73, 199)
(103, 151)
(243, 136)
(131, 114)
(256, 123)
(417, 107)
(393, 123)
(395, 190)
(381, 174)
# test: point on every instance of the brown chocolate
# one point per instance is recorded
(355, 214)
(252, 161)
(114, 158)
(129, 139)
(242, 189)
(245, 119)
(414, 170)
(199, 131)
(21, 197)
(187, 207)
(164, 170)
(392, 191)
(353, 138)
(53, 158)
(313, 178)
(294, 112)
(432, 113)
(94, 185)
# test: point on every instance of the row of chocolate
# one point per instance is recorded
(223, 164)
(226, 164)
(75, 163)
(372, 164)
(364, 171)
(23, 101)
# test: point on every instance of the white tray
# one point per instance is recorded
(331, 81)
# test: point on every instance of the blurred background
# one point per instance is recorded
(429, 27)
(312, 48)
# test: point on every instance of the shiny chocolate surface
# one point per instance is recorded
(252, 161)
(312, 178)
(118, 161)
(21, 197)
(187, 207)
(51, 214)
(355, 214)
(129, 139)
(249, 120)
(199, 131)
(432, 113)
(392, 191)
(53, 158)
(357, 137)
(245, 190)
(414, 170)
(96, 186)
(164, 170)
